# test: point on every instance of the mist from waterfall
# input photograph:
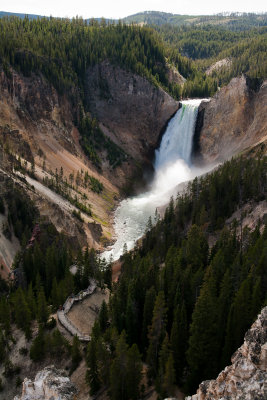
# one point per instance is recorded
(172, 166)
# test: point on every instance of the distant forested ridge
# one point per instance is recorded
(62, 50)
(20, 15)
(234, 21)
(242, 37)
(245, 48)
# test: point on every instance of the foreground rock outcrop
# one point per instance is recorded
(234, 119)
(50, 383)
(246, 378)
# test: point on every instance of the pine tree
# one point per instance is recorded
(147, 314)
(55, 298)
(239, 319)
(92, 374)
(178, 339)
(203, 351)
(5, 318)
(169, 377)
(156, 333)
(37, 350)
(79, 275)
(163, 358)
(125, 249)
(31, 301)
(104, 362)
(2, 347)
(131, 321)
(42, 310)
(75, 352)
(50, 267)
(134, 373)
(118, 371)
(108, 274)
(224, 304)
(22, 313)
(203, 216)
(38, 284)
(38, 260)
(256, 300)
(196, 248)
(103, 316)
(57, 343)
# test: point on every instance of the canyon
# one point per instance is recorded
(37, 125)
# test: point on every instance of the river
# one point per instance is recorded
(172, 166)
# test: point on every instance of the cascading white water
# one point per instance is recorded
(172, 166)
(177, 140)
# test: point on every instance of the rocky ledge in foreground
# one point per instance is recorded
(50, 383)
(246, 378)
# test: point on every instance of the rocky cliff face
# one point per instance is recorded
(50, 383)
(37, 124)
(246, 378)
(132, 111)
(234, 119)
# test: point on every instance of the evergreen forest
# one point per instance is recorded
(63, 50)
(42, 282)
(181, 305)
(198, 279)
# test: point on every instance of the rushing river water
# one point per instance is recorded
(172, 166)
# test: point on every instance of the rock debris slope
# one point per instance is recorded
(246, 378)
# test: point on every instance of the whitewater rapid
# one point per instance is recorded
(172, 166)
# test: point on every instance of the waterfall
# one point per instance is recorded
(172, 166)
(177, 140)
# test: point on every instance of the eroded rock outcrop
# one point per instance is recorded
(224, 63)
(246, 378)
(234, 119)
(174, 75)
(50, 383)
